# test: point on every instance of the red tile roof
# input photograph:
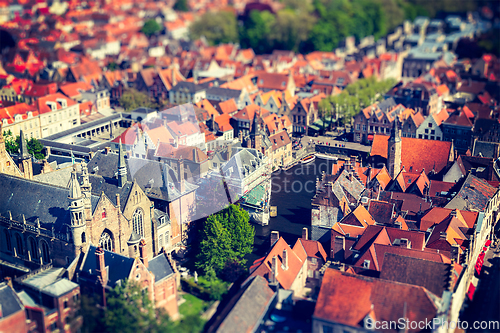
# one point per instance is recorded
(313, 249)
(43, 107)
(284, 277)
(416, 154)
(347, 299)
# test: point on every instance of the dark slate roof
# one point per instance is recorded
(107, 165)
(246, 311)
(157, 179)
(158, 214)
(225, 92)
(110, 187)
(134, 238)
(435, 276)
(190, 86)
(160, 267)
(474, 194)
(487, 149)
(387, 104)
(9, 301)
(118, 266)
(46, 202)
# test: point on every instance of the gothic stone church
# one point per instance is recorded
(42, 223)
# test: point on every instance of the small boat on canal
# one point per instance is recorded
(308, 159)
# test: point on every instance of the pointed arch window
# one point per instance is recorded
(137, 222)
(33, 249)
(19, 244)
(106, 241)
(45, 252)
(7, 240)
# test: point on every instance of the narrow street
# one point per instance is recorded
(485, 305)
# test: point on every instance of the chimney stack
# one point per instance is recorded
(142, 252)
(8, 280)
(100, 266)
(338, 248)
(305, 232)
(285, 260)
(275, 235)
(274, 267)
(180, 172)
(107, 150)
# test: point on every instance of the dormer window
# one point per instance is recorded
(366, 264)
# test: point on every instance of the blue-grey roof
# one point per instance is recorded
(26, 299)
(59, 288)
(9, 301)
(160, 267)
(118, 266)
(44, 278)
(387, 104)
(46, 202)
(157, 179)
(50, 282)
(190, 87)
(252, 304)
(224, 92)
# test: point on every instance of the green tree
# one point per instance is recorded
(11, 142)
(256, 31)
(226, 236)
(35, 148)
(132, 99)
(217, 27)
(181, 6)
(128, 309)
(150, 27)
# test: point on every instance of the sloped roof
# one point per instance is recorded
(118, 266)
(11, 304)
(160, 267)
(416, 154)
(434, 276)
(246, 310)
(475, 193)
(347, 299)
(284, 277)
(313, 249)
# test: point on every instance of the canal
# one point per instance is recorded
(292, 191)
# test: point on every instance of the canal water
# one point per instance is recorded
(292, 191)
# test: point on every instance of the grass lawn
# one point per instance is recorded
(192, 305)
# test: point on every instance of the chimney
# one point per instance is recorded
(405, 243)
(275, 235)
(274, 266)
(47, 151)
(455, 253)
(142, 252)
(180, 172)
(91, 155)
(107, 150)
(101, 267)
(285, 260)
(338, 248)
(305, 232)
